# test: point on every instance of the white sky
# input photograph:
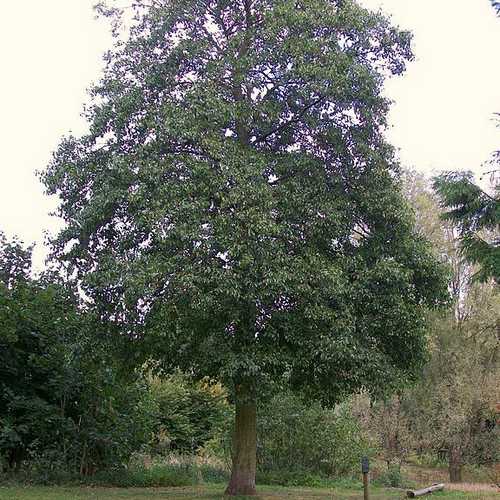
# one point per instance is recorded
(50, 52)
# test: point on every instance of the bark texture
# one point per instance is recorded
(242, 480)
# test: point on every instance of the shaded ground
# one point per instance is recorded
(212, 493)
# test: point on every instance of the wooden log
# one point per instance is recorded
(424, 491)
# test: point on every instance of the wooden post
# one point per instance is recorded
(365, 469)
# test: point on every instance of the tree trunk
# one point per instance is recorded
(244, 444)
(455, 465)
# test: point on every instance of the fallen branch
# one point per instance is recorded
(424, 491)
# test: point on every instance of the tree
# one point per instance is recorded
(15, 261)
(476, 214)
(31, 354)
(442, 233)
(63, 393)
(450, 407)
(235, 208)
(453, 406)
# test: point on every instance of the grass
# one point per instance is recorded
(212, 492)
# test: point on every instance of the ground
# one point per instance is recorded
(213, 492)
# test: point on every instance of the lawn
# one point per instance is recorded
(212, 492)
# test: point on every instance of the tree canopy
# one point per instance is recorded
(235, 203)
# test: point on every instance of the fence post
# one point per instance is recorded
(365, 469)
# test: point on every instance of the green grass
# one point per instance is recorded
(212, 492)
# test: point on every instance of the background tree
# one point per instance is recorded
(31, 354)
(453, 406)
(476, 215)
(449, 409)
(65, 399)
(235, 203)
(464, 341)
(392, 429)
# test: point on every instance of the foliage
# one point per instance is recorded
(303, 478)
(418, 192)
(35, 319)
(154, 476)
(297, 437)
(235, 203)
(392, 430)
(67, 403)
(301, 443)
(64, 398)
(113, 417)
(15, 261)
(393, 478)
(463, 369)
(477, 217)
(454, 405)
(448, 413)
(171, 471)
(188, 413)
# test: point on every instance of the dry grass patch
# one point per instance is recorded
(474, 487)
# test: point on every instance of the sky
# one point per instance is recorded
(51, 51)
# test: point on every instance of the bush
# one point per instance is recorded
(170, 471)
(41, 471)
(394, 478)
(167, 475)
(67, 402)
(189, 413)
(292, 478)
(295, 436)
(140, 472)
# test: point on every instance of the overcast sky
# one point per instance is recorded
(50, 52)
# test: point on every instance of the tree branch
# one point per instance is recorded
(289, 122)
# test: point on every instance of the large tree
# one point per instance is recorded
(236, 208)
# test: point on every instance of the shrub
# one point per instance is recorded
(170, 471)
(394, 478)
(65, 396)
(189, 413)
(296, 436)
